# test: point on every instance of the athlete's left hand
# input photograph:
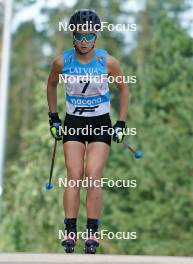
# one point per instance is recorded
(119, 128)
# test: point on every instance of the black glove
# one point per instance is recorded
(55, 124)
(119, 128)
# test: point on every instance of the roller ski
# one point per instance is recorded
(91, 245)
(68, 243)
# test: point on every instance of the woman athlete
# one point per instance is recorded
(87, 104)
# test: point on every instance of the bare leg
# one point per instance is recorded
(74, 159)
(97, 154)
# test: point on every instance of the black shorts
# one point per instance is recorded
(87, 129)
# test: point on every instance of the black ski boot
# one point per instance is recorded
(92, 241)
(70, 237)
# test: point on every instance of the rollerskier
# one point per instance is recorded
(87, 104)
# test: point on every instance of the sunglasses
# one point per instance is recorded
(88, 37)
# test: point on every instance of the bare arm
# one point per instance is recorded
(53, 80)
(114, 70)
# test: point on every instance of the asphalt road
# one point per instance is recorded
(94, 259)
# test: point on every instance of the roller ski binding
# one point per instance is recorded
(90, 245)
(68, 243)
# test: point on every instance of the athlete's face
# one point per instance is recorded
(84, 44)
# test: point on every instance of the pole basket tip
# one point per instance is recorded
(138, 154)
(48, 186)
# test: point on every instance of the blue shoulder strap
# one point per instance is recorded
(68, 55)
(101, 56)
(68, 58)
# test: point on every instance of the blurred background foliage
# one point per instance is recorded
(160, 209)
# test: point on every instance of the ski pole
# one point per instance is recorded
(138, 154)
(49, 184)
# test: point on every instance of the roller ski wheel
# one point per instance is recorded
(90, 245)
(68, 244)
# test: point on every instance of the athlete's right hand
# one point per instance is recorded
(55, 124)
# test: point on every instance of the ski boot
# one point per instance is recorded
(68, 243)
(90, 245)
